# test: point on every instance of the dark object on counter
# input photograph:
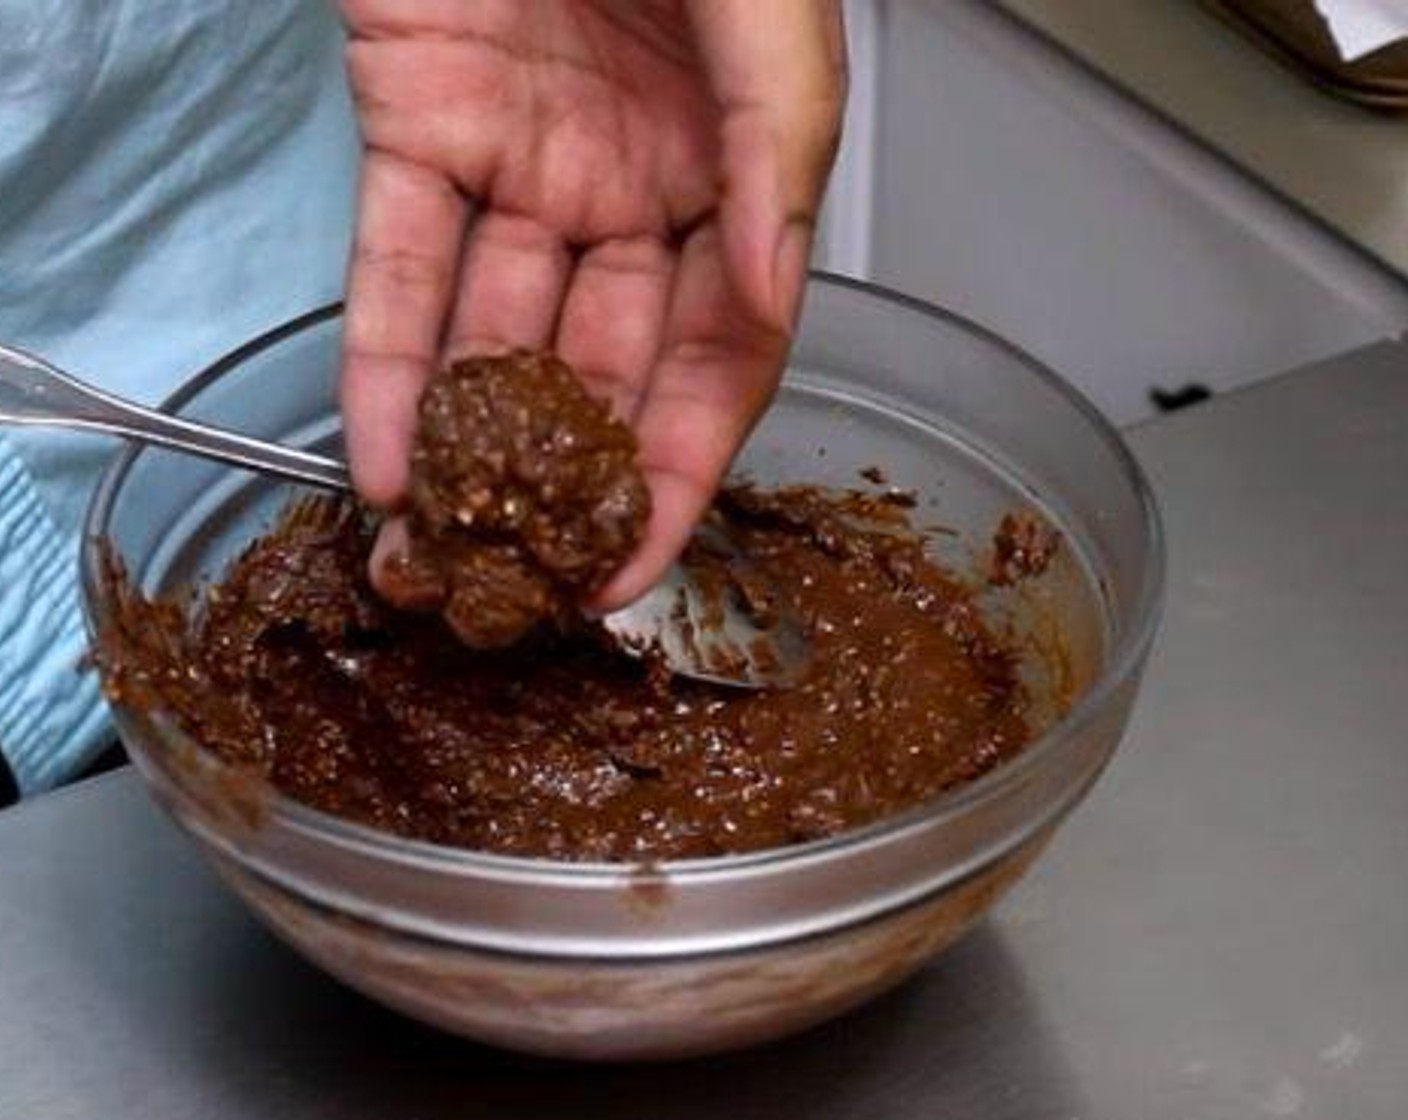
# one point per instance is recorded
(9, 789)
(1294, 32)
(111, 757)
(1171, 400)
(524, 499)
(561, 746)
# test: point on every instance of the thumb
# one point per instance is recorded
(778, 72)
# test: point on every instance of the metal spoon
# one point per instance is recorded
(703, 627)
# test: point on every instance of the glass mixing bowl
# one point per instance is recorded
(613, 961)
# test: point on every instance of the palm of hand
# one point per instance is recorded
(595, 125)
(626, 215)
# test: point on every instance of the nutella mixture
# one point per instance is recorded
(524, 498)
(559, 745)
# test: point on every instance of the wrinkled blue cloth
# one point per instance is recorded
(176, 176)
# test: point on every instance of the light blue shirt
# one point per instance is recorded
(176, 176)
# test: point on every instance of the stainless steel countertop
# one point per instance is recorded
(1219, 932)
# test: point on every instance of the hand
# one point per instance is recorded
(643, 178)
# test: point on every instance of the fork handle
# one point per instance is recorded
(32, 392)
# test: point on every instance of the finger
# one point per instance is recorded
(511, 284)
(614, 317)
(716, 373)
(392, 544)
(410, 222)
(778, 71)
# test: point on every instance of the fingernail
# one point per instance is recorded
(789, 271)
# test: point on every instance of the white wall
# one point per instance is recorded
(985, 171)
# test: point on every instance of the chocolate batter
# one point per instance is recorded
(559, 745)
(1022, 548)
(524, 498)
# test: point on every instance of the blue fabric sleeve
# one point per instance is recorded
(176, 176)
(52, 717)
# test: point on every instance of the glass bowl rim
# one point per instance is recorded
(1125, 657)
